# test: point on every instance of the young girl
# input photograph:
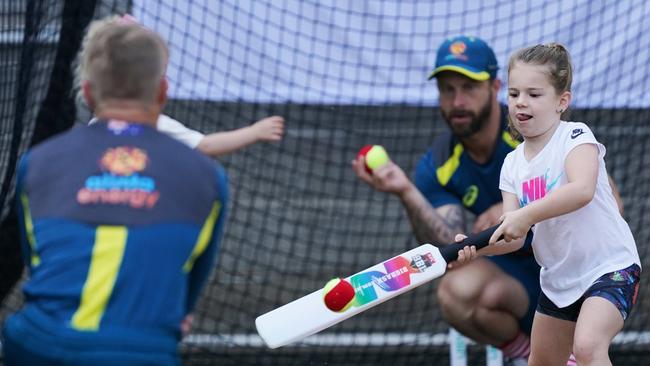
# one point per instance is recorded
(556, 183)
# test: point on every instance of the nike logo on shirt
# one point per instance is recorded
(577, 132)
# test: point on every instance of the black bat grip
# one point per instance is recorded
(479, 240)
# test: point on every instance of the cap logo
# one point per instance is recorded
(457, 49)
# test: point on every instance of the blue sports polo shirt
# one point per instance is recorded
(121, 225)
(446, 174)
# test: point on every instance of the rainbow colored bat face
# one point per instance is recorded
(397, 276)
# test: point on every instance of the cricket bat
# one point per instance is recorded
(309, 315)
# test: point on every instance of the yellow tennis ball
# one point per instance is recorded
(376, 157)
(330, 285)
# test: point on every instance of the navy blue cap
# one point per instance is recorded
(469, 56)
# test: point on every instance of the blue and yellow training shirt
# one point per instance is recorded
(121, 225)
(446, 174)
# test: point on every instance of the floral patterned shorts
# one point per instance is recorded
(620, 287)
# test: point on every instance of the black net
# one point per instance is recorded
(343, 74)
(29, 41)
(40, 41)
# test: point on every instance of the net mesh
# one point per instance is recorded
(343, 74)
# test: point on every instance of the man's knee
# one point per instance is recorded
(475, 283)
(445, 295)
(449, 291)
(456, 297)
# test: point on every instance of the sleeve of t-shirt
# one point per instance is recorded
(506, 180)
(179, 131)
(427, 183)
(577, 134)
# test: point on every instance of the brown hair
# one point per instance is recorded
(553, 55)
(558, 61)
(122, 60)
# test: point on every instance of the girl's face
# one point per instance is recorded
(534, 107)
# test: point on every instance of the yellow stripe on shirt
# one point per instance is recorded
(507, 137)
(446, 170)
(204, 236)
(29, 228)
(108, 251)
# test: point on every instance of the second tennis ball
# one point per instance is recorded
(338, 294)
(375, 155)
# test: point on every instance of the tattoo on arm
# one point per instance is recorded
(435, 226)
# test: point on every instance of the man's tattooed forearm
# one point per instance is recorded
(432, 227)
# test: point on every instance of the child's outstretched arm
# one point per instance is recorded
(581, 168)
(223, 143)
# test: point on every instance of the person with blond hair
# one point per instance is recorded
(118, 241)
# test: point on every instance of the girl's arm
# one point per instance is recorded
(223, 143)
(581, 167)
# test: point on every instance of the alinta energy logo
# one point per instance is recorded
(120, 182)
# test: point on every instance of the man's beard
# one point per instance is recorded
(478, 121)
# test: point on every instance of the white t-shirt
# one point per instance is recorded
(574, 249)
(179, 131)
(175, 129)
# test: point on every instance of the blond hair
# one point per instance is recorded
(122, 60)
